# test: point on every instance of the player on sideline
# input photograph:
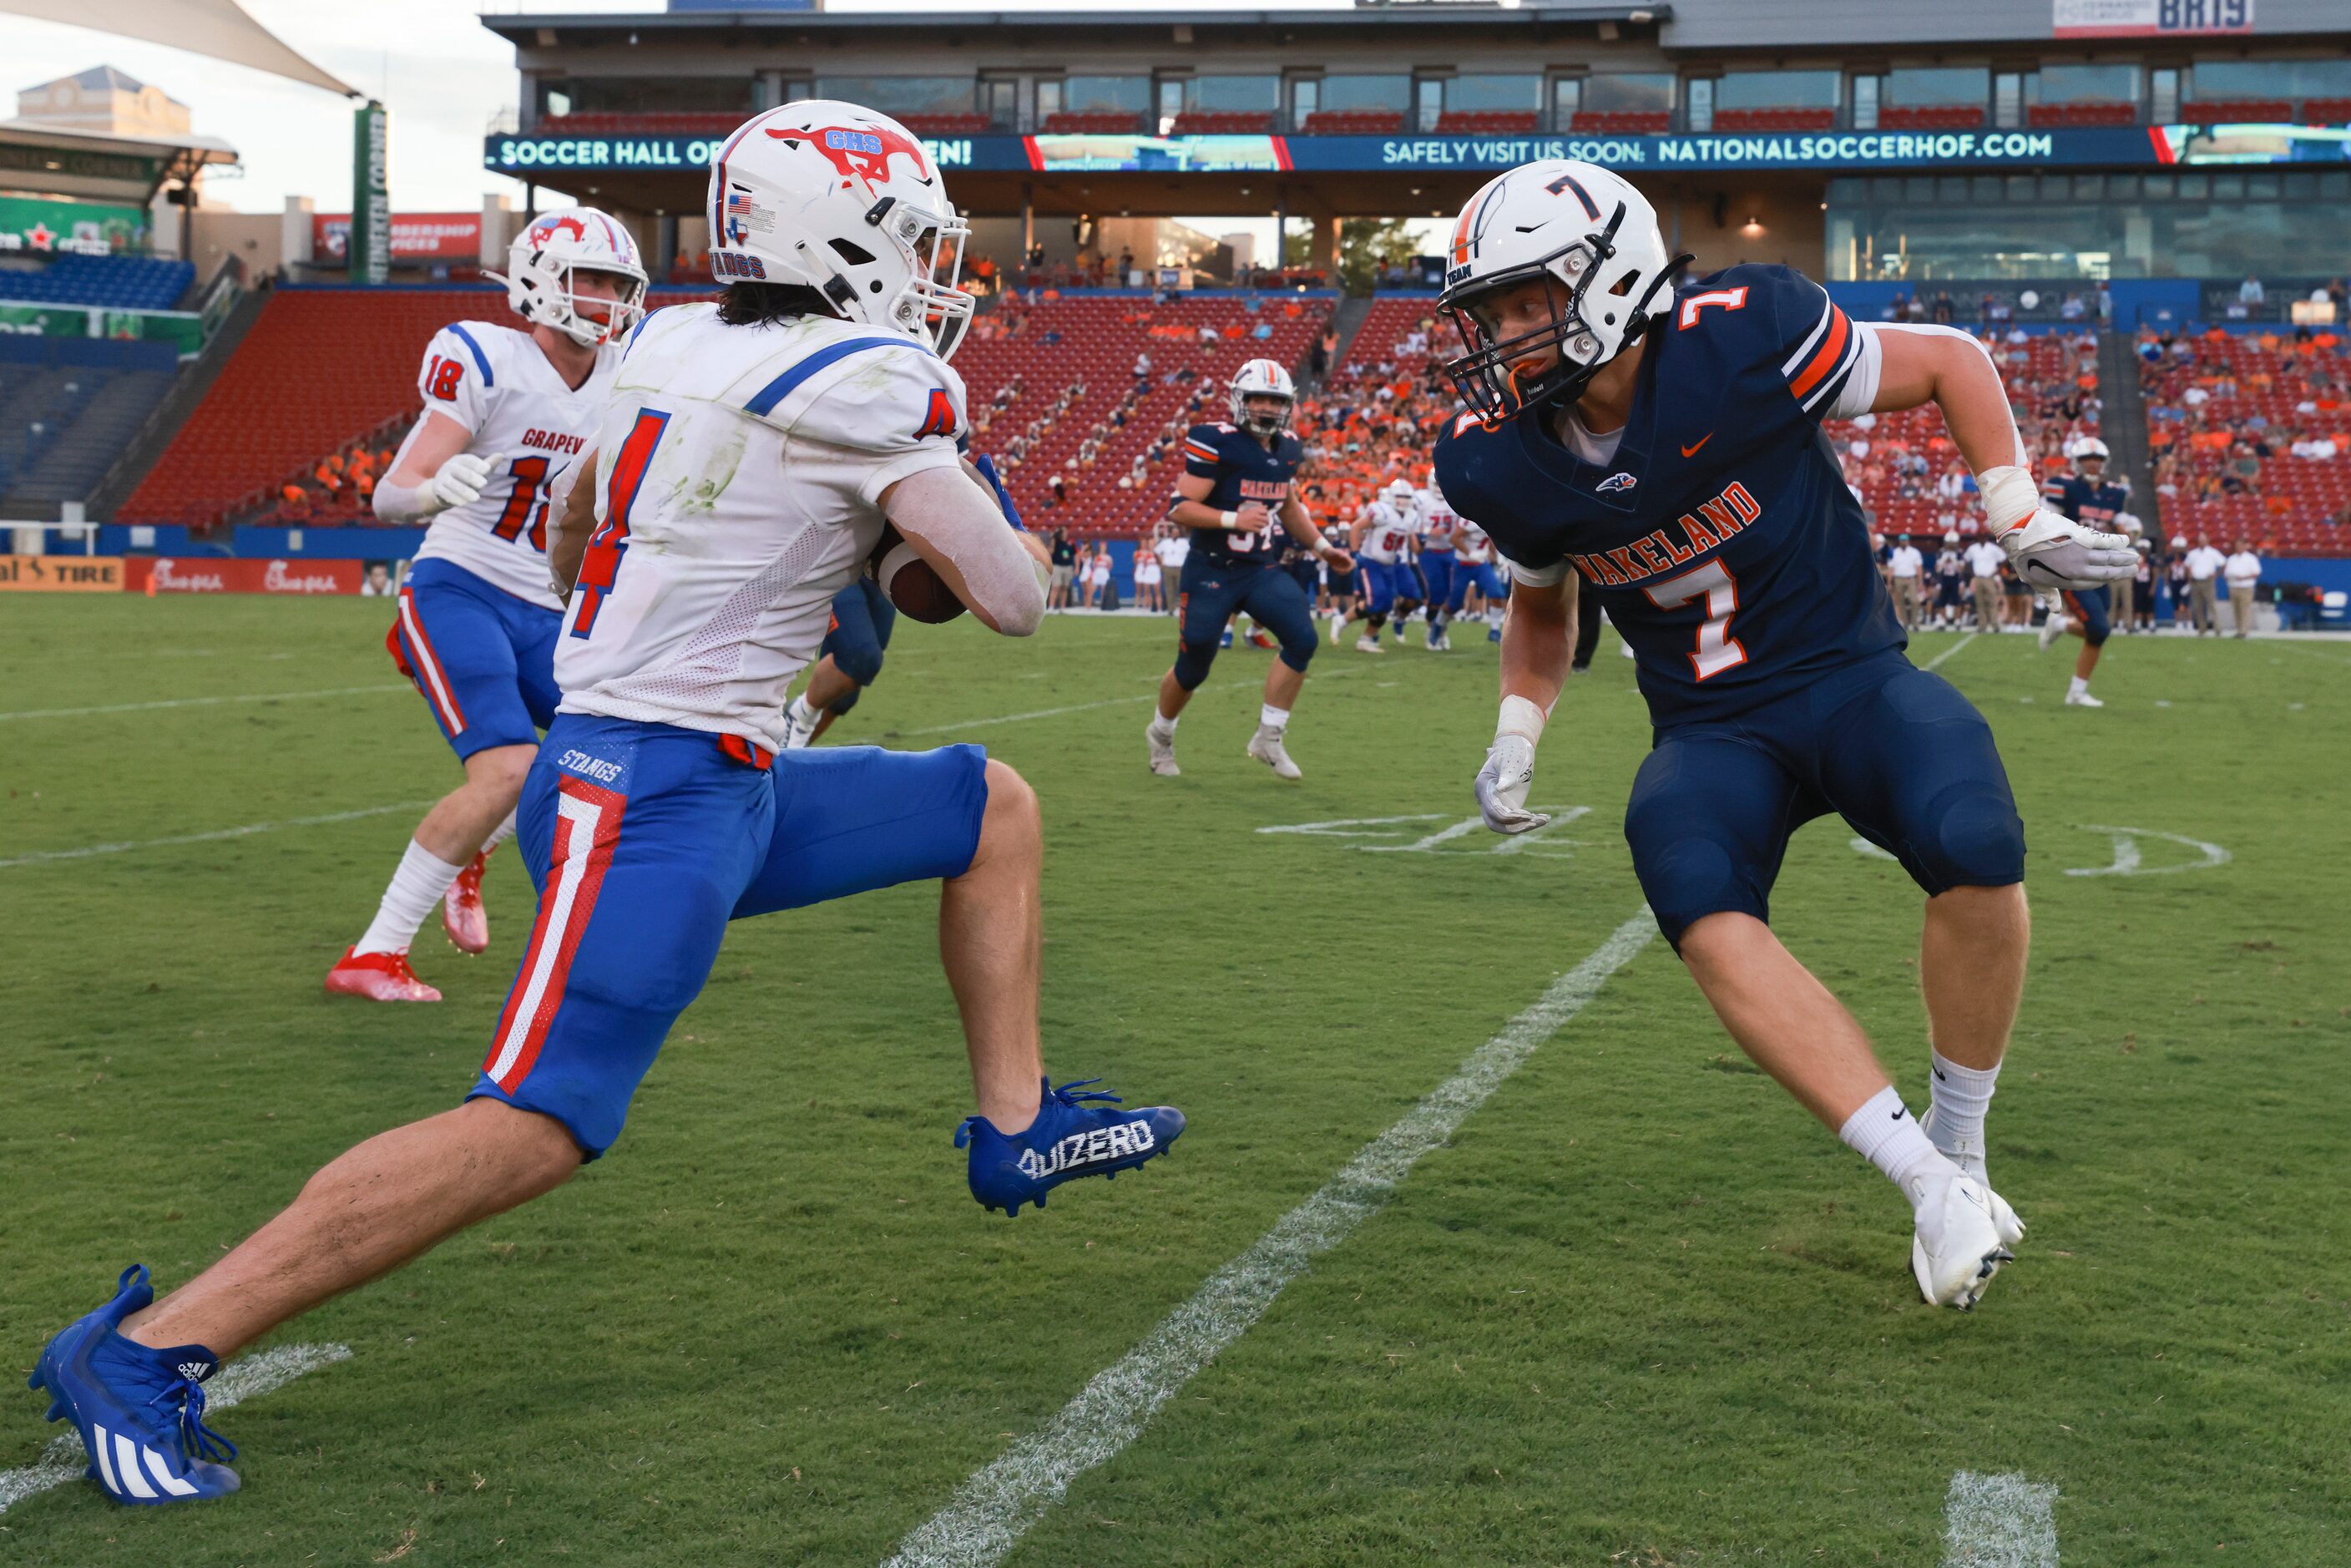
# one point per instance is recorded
(1664, 439)
(1382, 539)
(1235, 491)
(506, 414)
(657, 810)
(2086, 497)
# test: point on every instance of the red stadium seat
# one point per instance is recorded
(1945, 117)
(1354, 122)
(1092, 122)
(1774, 119)
(2215, 112)
(1624, 122)
(1486, 123)
(1206, 122)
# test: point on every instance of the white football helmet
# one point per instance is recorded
(2087, 447)
(1261, 377)
(554, 245)
(1951, 536)
(1399, 493)
(845, 201)
(1586, 228)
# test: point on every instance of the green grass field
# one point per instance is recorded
(1639, 1310)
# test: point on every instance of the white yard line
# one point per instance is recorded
(66, 1459)
(1999, 1521)
(1938, 662)
(87, 851)
(996, 1506)
(203, 702)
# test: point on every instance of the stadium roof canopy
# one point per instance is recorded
(220, 29)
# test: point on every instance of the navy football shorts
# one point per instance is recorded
(2092, 607)
(1213, 594)
(484, 659)
(863, 620)
(645, 840)
(1894, 749)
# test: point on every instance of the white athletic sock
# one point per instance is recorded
(1276, 719)
(1884, 1133)
(2078, 686)
(1962, 1095)
(415, 888)
(1162, 726)
(499, 834)
(803, 714)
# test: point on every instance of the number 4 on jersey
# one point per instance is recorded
(602, 565)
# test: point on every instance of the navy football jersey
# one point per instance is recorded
(1244, 470)
(1721, 538)
(2087, 501)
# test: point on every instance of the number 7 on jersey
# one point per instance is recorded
(1717, 649)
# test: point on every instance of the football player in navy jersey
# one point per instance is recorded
(2088, 498)
(1235, 496)
(1663, 441)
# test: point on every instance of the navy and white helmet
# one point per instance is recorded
(2089, 446)
(1261, 377)
(1593, 233)
(543, 258)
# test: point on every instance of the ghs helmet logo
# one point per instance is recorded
(861, 152)
(1615, 481)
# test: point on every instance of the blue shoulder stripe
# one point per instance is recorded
(776, 391)
(480, 357)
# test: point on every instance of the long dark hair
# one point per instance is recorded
(755, 304)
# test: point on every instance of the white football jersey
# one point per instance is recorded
(499, 384)
(1389, 538)
(1439, 520)
(738, 471)
(1470, 543)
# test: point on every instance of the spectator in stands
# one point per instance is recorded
(2243, 572)
(2204, 564)
(377, 584)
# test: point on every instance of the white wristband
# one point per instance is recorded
(1521, 716)
(2010, 496)
(1227, 519)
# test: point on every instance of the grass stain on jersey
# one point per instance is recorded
(700, 493)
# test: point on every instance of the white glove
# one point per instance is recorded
(2050, 553)
(458, 480)
(1511, 767)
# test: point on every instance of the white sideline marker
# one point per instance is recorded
(1938, 662)
(87, 851)
(64, 1459)
(991, 1512)
(203, 702)
(1999, 1521)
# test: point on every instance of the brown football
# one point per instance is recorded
(919, 592)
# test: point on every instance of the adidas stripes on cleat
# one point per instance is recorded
(140, 1410)
(1075, 1135)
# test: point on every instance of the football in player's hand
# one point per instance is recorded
(919, 592)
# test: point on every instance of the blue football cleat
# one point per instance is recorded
(1075, 1135)
(139, 1410)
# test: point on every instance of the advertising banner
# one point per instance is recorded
(61, 574)
(226, 574)
(2116, 147)
(183, 330)
(415, 236)
(43, 226)
(371, 228)
(2148, 18)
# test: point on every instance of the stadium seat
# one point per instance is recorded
(964, 124)
(1226, 122)
(2082, 114)
(699, 123)
(1486, 123)
(1622, 122)
(2215, 112)
(1943, 117)
(2254, 387)
(2326, 111)
(1774, 119)
(102, 282)
(1354, 122)
(1092, 122)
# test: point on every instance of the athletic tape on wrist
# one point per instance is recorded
(1521, 716)
(2010, 496)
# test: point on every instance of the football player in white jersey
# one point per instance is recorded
(1383, 543)
(1473, 552)
(507, 412)
(750, 455)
